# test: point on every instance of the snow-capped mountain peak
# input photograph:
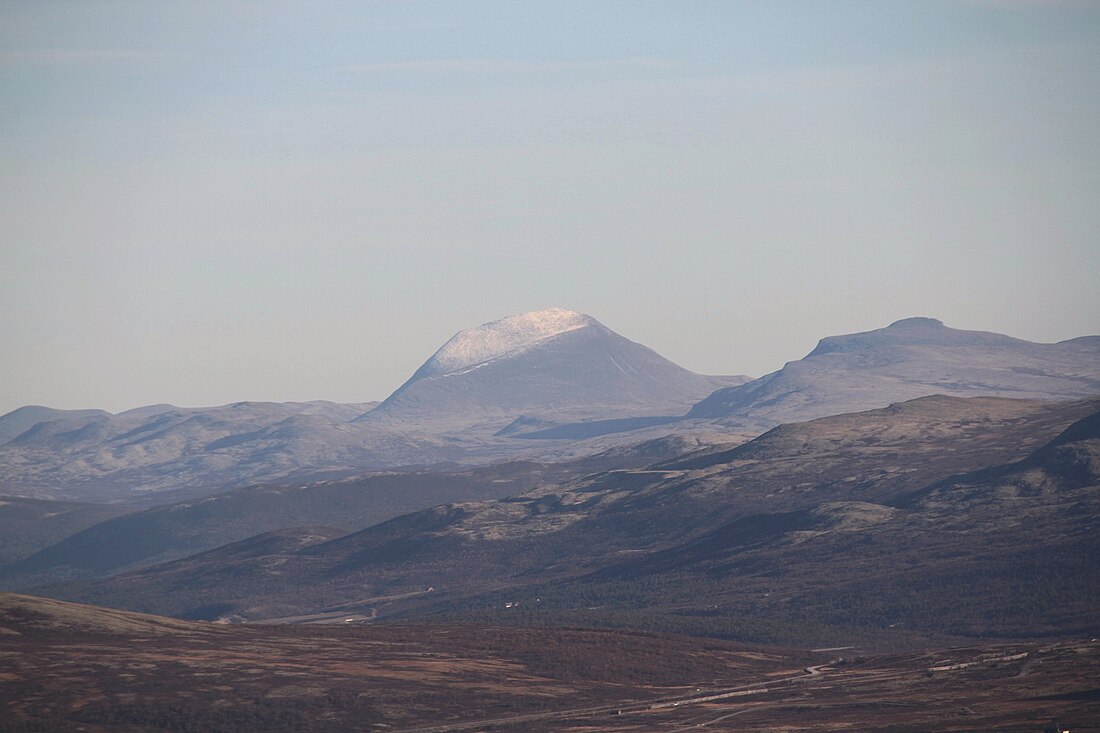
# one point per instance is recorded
(496, 339)
(554, 364)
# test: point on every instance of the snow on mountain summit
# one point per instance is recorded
(493, 340)
(554, 365)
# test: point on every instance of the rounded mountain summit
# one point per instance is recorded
(554, 364)
(910, 358)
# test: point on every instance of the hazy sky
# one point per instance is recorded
(209, 202)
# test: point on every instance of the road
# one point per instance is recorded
(632, 707)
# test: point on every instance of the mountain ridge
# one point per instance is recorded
(910, 358)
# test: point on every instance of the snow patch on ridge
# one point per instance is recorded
(475, 346)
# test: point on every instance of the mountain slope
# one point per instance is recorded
(908, 359)
(96, 547)
(805, 513)
(1003, 551)
(29, 525)
(552, 364)
(183, 528)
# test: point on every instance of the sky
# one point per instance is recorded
(206, 202)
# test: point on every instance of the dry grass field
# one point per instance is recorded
(67, 667)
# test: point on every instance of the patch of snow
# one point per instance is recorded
(474, 347)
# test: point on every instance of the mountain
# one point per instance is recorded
(777, 540)
(908, 359)
(549, 365)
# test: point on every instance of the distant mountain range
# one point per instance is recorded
(545, 385)
(125, 457)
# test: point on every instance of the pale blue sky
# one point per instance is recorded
(291, 201)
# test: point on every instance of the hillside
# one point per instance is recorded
(30, 525)
(772, 541)
(97, 547)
